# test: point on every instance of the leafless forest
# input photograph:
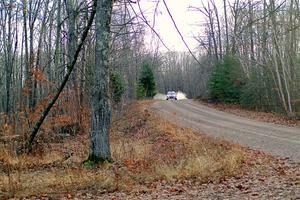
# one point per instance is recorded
(72, 70)
(46, 58)
(264, 37)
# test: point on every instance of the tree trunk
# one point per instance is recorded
(226, 27)
(32, 91)
(57, 55)
(235, 13)
(212, 31)
(72, 42)
(101, 110)
(39, 50)
(251, 32)
(219, 29)
(8, 63)
(27, 70)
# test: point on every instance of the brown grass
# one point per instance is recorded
(144, 146)
(162, 150)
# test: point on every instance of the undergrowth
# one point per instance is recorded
(145, 148)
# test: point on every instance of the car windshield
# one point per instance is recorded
(171, 93)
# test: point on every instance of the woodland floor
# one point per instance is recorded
(154, 159)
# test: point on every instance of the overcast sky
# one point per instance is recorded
(188, 21)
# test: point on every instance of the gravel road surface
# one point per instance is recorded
(271, 138)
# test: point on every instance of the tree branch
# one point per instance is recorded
(27, 147)
(182, 38)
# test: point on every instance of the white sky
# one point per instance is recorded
(187, 21)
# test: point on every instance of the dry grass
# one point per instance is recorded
(144, 146)
(203, 157)
(162, 150)
(53, 171)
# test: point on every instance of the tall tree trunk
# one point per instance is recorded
(101, 110)
(39, 49)
(264, 33)
(49, 70)
(57, 42)
(72, 42)
(235, 13)
(8, 63)
(212, 32)
(32, 92)
(27, 70)
(251, 31)
(226, 27)
(219, 29)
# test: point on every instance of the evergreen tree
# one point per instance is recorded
(117, 86)
(226, 81)
(146, 84)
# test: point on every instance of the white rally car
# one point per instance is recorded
(171, 95)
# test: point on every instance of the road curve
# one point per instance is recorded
(274, 139)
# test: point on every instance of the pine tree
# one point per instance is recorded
(226, 81)
(117, 86)
(146, 85)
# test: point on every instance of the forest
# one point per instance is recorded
(258, 39)
(68, 67)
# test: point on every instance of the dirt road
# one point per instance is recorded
(275, 139)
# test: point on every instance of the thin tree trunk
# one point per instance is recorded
(39, 49)
(27, 70)
(212, 32)
(219, 29)
(8, 63)
(32, 97)
(251, 31)
(226, 27)
(57, 42)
